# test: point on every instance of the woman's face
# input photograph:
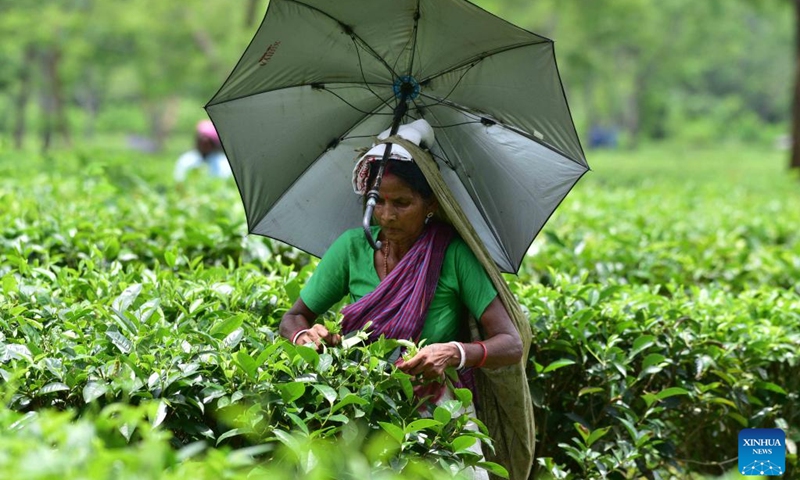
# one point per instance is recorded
(400, 211)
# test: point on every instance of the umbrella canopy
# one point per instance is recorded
(322, 78)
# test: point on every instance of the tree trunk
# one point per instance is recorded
(250, 13)
(23, 95)
(163, 116)
(88, 97)
(206, 45)
(53, 109)
(632, 112)
(57, 91)
(794, 163)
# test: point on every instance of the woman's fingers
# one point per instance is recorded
(318, 334)
(430, 361)
(333, 339)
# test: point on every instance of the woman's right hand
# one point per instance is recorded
(317, 334)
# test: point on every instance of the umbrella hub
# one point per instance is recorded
(406, 87)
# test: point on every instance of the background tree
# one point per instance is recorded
(683, 71)
(794, 162)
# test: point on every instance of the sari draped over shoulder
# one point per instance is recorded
(398, 306)
(505, 405)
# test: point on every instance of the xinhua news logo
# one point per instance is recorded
(762, 451)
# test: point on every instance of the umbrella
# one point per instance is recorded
(321, 78)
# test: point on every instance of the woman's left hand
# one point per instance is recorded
(431, 361)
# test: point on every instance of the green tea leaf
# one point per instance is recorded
(339, 418)
(349, 399)
(494, 469)
(642, 343)
(52, 388)
(325, 362)
(326, 391)
(10, 283)
(247, 363)
(441, 415)
(233, 339)
(227, 326)
(394, 431)
(191, 450)
(93, 391)
(161, 414)
(421, 424)
(596, 435)
(292, 290)
(671, 392)
(652, 359)
(291, 391)
(771, 387)
(463, 442)
(229, 434)
(298, 422)
(308, 354)
(120, 341)
(582, 430)
(739, 419)
(558, 364)
(127, 297)
(463, 395)
(170, 256)
(589, 390)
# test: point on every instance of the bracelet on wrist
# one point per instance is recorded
(297, 334)
(462, 355)
(485, 354)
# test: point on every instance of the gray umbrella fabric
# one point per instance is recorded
(319, 81)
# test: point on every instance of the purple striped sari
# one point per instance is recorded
(398, 306)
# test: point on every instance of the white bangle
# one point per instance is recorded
(462, 354)
(296, 335)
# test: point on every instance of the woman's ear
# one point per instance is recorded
(433, 206)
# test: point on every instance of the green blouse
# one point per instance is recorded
(348, 267)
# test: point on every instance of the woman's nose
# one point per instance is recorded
(387, 213)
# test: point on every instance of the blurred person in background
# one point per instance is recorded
(207, 154)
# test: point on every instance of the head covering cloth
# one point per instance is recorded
(205, 129)
(418, 132)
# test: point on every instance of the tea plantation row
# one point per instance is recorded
(138, 331)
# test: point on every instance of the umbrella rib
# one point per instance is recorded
(414, 34)
(364, 77)
(312, 85)
(348, 30)
(480, 57)
(356, 108)
(482, 119)
(463, 74)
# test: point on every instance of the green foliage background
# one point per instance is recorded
(662, 297)
(137, 322)
(698, 72)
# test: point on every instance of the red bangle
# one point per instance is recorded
(485, 354)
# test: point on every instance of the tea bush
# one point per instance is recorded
(140, 322)
(49, 444)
